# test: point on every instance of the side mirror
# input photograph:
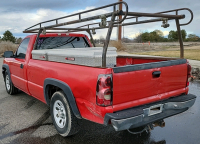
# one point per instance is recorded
(8, 54)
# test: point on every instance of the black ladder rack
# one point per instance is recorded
(58, 27)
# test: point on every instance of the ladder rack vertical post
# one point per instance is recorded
(105, 46)
(120, 24)
(180, 38)
(88, 31)
(114, 8)
(37, 38)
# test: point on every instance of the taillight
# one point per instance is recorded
(104, 90)
(189, 68)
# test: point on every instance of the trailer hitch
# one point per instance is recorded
(148, 127)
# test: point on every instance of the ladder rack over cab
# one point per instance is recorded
(90, 28)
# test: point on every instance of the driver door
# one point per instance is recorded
(18, 71)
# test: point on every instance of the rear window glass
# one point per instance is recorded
(61, 42)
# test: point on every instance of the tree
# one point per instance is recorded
(138, 38)
(153, 36)
(18, 40)
(145, 37)
(184, 34)
(159, 32)
(173, 35)
(164, 39)
(192, 37)
(126, 40)
(158, 36)
(8, 36)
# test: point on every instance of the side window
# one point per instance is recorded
(21, 51)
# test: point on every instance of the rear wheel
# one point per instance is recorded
(63, 118)
(10, 88)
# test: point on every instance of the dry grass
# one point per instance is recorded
(119, 45)
(7, 46)
(188, 54)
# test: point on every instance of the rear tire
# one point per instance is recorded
(62, 116)
(10, 88)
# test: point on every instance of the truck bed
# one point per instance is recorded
(136, 80)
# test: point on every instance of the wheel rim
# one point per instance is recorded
(59, 114)
(7, 82)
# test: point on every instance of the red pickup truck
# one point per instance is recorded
(136, 92)
(63, 71)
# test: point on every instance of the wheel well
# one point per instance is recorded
(3, 72)
(52, 85)
(51, 89)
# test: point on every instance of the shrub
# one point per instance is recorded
(119, 45)
(7, 46)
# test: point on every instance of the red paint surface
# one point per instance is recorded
(131, 61)
(129, 88)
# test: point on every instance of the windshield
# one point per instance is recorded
(61, 42)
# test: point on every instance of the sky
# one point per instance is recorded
(18, 15)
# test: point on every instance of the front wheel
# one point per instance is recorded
(10, 88)
(63, 118)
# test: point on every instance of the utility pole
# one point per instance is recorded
(120, 26)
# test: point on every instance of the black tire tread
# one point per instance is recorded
(13, 89)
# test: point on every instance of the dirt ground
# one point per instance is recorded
(163, 46)
(165, 49)
(168, 46)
